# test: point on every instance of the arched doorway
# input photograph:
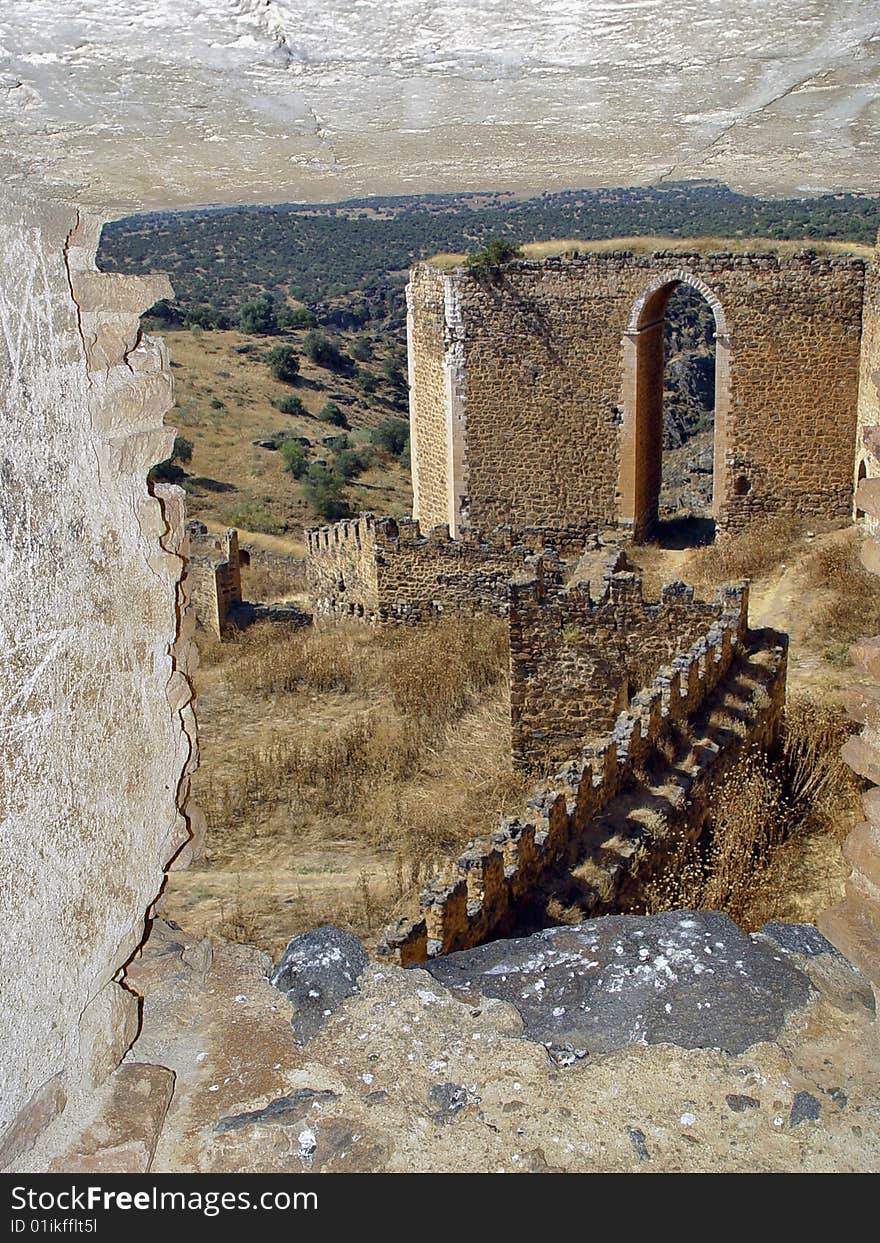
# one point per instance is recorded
(641, 444)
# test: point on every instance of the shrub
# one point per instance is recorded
(258, 317)
(294, 456)
(349, 463)
(324, 353)
(367, 382)
(299, 317)
(499, 250)
(392, 436)
(170, 471)
(183, 449)
(293, 406)
(284, 363)
(322, 488)
(254, 516)
(331, 413)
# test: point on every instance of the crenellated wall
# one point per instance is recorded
(493, 884)
(536, 388)
(387, 570)
(577, 656)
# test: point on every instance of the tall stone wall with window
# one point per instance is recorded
(541, 411)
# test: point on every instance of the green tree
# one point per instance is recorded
(332, 413)
(295, 458)
(284, 363)
(258, 317)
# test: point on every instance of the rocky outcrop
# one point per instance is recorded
(688, 978)
(854, 925)
(765, 1060)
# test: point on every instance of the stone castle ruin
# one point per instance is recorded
(521, 419)
(611, 810)
(537, 388)
(536, 406)
(214, 570)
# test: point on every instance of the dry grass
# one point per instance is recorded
(267, 581)
(748, 554)
(764, 817)
(371, 756)
(851, 607)
(648, 244)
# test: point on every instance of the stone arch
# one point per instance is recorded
(641, 432)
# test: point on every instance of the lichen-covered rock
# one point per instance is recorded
(688, 978)
(317, 971)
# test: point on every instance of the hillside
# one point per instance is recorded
(217, 259)
(232, 415)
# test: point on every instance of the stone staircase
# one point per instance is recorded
(631, 838)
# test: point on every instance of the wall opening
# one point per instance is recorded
(675, 399)
(862, 474)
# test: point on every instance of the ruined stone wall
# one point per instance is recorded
(551, 421)
(576, 660)
(341, 571)
(428, 347)
(214, 576)
(493, 883)
(97, 722)
(387, 570)
(867, 456)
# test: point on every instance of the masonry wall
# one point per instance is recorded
(430, 446)
(387, 570)
(545, 396)
(867, 456)
(486, 891)
(97, 723)
(576, 658)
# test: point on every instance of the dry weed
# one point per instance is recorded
(763, 812)
(747, 554)
(852, 607)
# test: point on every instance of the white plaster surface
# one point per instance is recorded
(90, 749)
(198, 101)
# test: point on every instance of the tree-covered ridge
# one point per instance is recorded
(219, 258)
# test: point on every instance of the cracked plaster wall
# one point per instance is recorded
(96, 712)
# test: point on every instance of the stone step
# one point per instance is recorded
(120, 1134)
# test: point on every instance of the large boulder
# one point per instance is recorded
(317, 971)
(688, 978)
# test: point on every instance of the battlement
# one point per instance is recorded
(579, 653)
(492, 884)
(390, 570)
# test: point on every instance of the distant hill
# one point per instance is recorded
(319, 254)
